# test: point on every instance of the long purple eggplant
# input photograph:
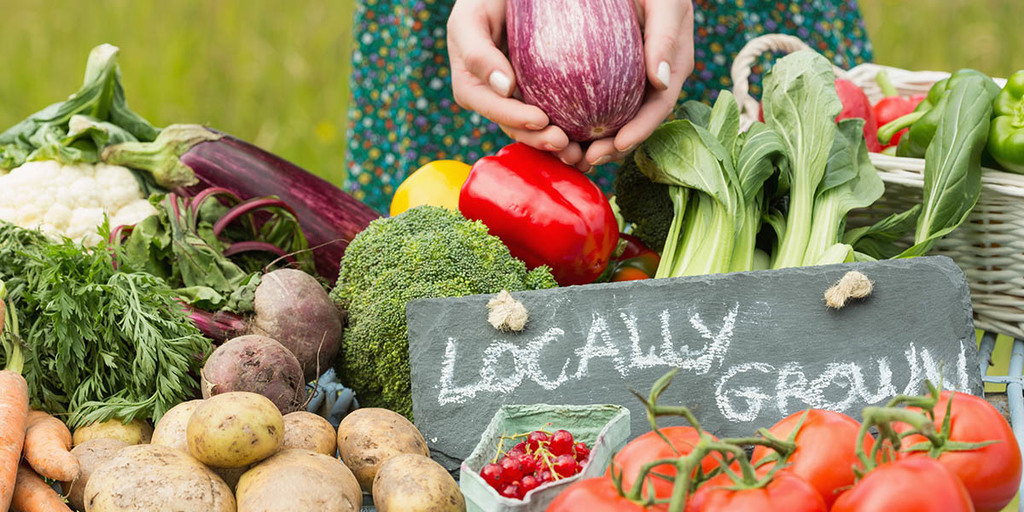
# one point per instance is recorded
(580, 61)
(329, 217)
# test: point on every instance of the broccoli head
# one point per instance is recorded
(643, 203)
(425, 252)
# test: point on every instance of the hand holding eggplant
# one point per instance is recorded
(483, 79)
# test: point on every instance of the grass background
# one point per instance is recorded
(276, 73)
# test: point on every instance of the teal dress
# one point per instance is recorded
(401, 111)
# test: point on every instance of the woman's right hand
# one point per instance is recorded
(483, 80)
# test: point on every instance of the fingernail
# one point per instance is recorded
(501, 83)
(630, 149)
(601, 161)
(564, 161)
(531, 126)
(550, 147)
(664, 74)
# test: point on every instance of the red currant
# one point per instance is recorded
(536, 439)
(529, 464)
(565, 465)
(544, 476)
(516, 452)
(528, 483)
(492, 475)
(511, 491)
(582, 452)
(561, 442)
(511, 469)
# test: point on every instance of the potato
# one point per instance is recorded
(368, 437)
(299, 480)
(154, 477)
(414, 483)
(231, 475)
(135, 432)
(234, 429)
(310, 432)
(90, 455)
(170, 430)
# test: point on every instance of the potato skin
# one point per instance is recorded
(368, 437)
(300, 481)
(90, 455)
(414, 483)
(135, 432)
(170, 430)
(234, 429)
(309, 431)
(154, 477)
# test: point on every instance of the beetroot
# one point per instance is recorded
(292, 308)
(256, 364)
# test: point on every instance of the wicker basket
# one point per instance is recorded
(989, 247)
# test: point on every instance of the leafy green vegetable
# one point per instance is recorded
(952, 171)
(98, 343)
(801, 104)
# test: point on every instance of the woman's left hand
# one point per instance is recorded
(668, 55)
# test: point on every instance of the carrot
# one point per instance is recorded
(13, 410)
(47, 447)
(32, 494)
(13, 405)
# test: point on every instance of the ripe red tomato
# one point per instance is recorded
(596, 495)
(825, 450)
(650, 447)
(915, 484)
(786, 492)
(992, 473)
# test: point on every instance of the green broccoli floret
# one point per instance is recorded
(643, 203)
(425, 252)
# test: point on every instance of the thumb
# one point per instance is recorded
(665, 20)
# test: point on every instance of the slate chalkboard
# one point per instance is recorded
(753, 347)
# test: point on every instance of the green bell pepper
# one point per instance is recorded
(925, 118)
(1006, 134)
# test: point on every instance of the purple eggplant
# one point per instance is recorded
(580, 61)
(329, 217)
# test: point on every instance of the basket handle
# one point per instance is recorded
(741, 66)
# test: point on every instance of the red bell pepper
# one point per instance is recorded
(635, 262)
(546, 212)
(893, 106)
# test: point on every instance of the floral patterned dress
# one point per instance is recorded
(401, 111)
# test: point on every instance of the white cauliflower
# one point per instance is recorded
(71, 200)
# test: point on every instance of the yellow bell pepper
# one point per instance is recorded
(435, 184)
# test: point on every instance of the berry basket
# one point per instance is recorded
(989, 246)
(604, 429)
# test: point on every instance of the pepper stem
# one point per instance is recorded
(888, 89)
(888, 130)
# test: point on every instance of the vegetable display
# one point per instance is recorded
(546, 212)
(581, 62)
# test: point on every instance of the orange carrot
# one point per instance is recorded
(32, 494)
(47, 447)
(13, 411)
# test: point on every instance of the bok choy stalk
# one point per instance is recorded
(715, 176)
(850, 181)
(801, 104)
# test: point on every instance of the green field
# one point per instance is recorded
(277, 75)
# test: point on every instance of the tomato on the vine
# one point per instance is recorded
(914, 484)
(825, 450)
(991, 473)
(786, 492)
(596, 495)
(650, 447)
